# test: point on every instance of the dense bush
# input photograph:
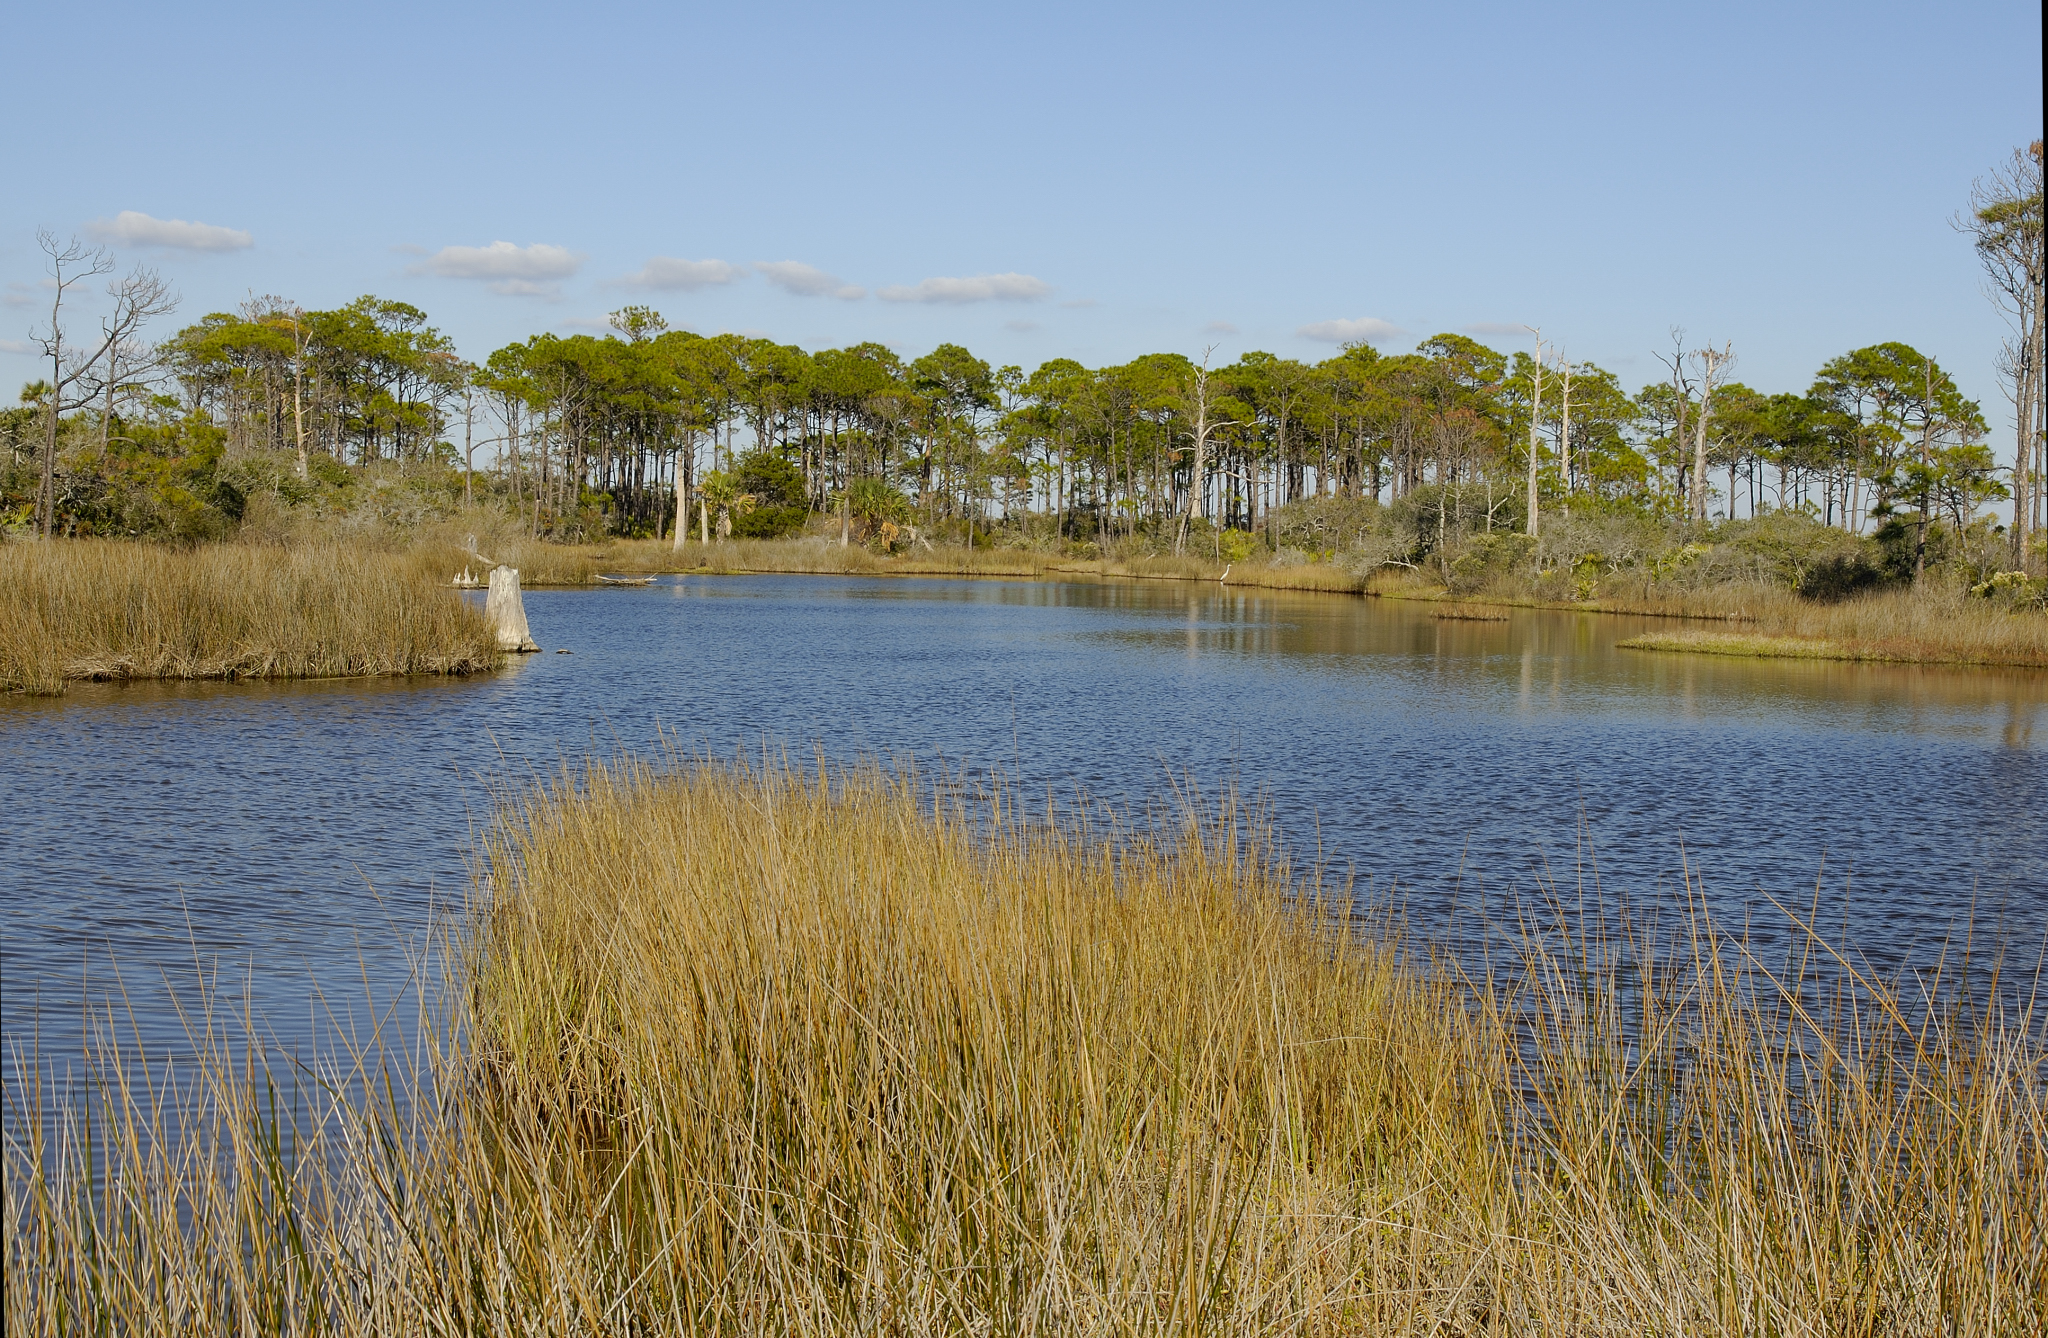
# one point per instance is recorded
(777, 487)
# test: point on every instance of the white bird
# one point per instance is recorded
(1226, 573)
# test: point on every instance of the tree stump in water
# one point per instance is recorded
(507, 611)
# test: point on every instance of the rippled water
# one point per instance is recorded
(295, 839)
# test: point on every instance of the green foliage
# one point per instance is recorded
(1327, 524)
(871, 503)
(1488, 559)
(778, 489)
(2013, 589)
(1793, 550)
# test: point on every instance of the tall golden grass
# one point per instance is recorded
(744, 1050)
(96, 609)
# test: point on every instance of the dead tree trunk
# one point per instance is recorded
(507, 611)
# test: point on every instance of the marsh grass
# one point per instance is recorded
(1935, 625)
(757, 1050)
(96, 609)
(822, 555)
(1926, 627)
(1759, 646)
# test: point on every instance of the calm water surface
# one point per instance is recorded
(295, 841)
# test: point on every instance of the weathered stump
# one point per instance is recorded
(507, 611)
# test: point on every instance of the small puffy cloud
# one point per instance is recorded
(19, 295)
(517, 271)
(1363, 330)
(17, 346)
(1498, 329)
(132, 228)
(667, 272)
(409, 249)
(801, 280)
(977, 288)
(503, 260)
(1219, 327)
(1021, 327)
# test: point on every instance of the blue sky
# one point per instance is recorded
(1096, 181)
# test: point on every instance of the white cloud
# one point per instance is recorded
(688, 275)
(17, 346)
(1021, 327)
(409, 249)
(516, 271)
(795, 277)
(132, 228)
(1365, 329)
(1219, 327)
(503, 260)
(1496, 328)
(19, 295)
(978, 288)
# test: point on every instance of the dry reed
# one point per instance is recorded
(751, 1051)
(94, 609)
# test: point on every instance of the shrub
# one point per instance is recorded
(777, 486)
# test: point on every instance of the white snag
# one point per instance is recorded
(507, 611)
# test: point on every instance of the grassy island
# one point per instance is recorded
(749, 1051)
(96, 609)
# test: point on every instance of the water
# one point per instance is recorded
(293, 841)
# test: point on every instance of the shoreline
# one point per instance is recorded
(1766, 632)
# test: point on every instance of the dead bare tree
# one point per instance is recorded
(1713, 365)
(1681, 395)
(130, 366)
(1198, 404)
(1535, 425)
(140, 296)
(2005, 225)
(289, 318)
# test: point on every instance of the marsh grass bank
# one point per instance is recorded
(1904, 626)
(1895, 626)
(96, 609)
(1759, 645)
(746, 1051)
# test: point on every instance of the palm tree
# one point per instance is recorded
(873, 503)
(722, 490)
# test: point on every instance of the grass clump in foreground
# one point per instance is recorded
(96, 609)
(748, 1051)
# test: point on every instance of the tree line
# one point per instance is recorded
(634, 425)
